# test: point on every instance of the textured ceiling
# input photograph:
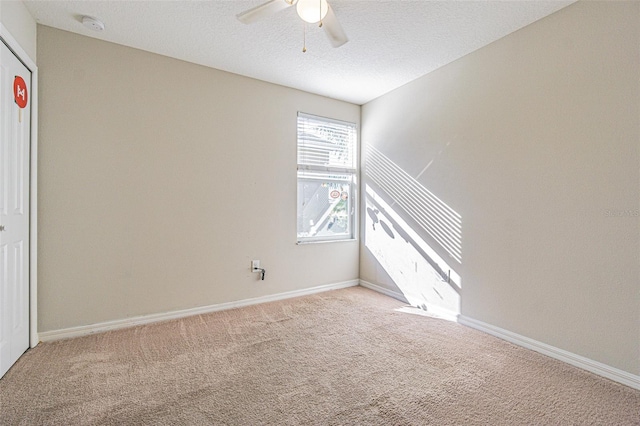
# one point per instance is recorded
(391, 42)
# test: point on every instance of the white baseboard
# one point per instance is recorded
(84, 330)
(590, 365)
(383, 290)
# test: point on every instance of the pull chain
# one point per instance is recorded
(320, 12)
(304, 38)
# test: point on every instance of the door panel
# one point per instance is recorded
(15, 123)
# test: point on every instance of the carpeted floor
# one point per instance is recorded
(340, 357)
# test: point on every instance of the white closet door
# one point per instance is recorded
(15, 124)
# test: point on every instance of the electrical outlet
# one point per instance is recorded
(255, 264)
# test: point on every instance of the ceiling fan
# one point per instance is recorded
(311, 11)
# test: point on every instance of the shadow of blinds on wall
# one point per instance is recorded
(440, 221)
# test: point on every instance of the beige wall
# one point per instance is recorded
(534, 140)
(160, 180)
(17, 19)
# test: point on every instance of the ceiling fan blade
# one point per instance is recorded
(263, 11)
(333, 29)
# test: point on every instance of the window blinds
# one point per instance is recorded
(326, 144)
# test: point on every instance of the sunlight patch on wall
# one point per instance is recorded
(423, 277)
(440, 221)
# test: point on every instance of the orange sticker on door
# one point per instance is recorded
(20, 92)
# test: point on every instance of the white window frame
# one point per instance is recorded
(331, 173)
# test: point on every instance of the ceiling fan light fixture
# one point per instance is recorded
(312, 11)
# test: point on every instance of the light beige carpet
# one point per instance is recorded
(341, 357)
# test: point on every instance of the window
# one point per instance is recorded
(326, 178)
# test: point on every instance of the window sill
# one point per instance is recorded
(304, 243)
